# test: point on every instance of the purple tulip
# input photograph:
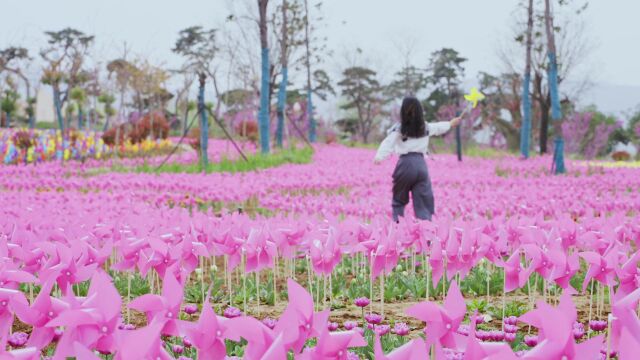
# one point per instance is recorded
(382, 330)
(57, 334)
(18, 339)
(332, 326)
(511, 320)
(373, 318)
(401, 329)
(350, 325)
(269, 322)
(598, 325)
(510, 337)
(463, 330)
(177, 349)
(186, 342)
(578, 331)
(531, 340)
(362, 302)
(232, 312)
(510, 329)
(497, 335)
(612, 354)
(190, 309)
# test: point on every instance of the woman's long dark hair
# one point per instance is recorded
(412, 119)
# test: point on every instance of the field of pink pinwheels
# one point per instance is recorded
(303, 261)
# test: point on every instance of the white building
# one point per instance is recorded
(45, 111)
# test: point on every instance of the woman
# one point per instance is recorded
(410, 140)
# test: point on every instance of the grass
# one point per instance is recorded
(254, 162)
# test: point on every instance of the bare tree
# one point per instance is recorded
(573, 49)
(14, 60)
(65, 58)
(525, 131)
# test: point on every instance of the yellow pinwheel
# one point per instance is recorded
(474, 97)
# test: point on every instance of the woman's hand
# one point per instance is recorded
(455, 122)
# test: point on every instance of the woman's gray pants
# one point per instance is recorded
(411, 175)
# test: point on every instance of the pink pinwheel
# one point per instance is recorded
(624, 316)
(94, 321)
(208, 334)
(468, 254)
(165, 306)
(91, 255)
(629, 345)
(413, 350)
(260, 339)
(629, 275)
(259, 251)
(492, 249)
(381, 247)
(11, 277)
(538, 260)
(325, 256)
(442, 322)
(144, 343)
(334, 345)
(436, 261)
(65, 269)
(601, 268)
(9, 299)
(515, 275)
(130, 251)
(158, 256)
(44, 309)
(555, 335)
(81, 352)
(276, 351)
(298, 321)
(21, 354)
(564, 266)
(287, 239)
(191, 251)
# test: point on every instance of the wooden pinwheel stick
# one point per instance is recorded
(295, 126)
(226, 133)
(175, 148)
(382, 293)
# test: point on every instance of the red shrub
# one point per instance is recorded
(22, 140)
(248, 129)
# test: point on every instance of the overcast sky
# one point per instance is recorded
(474, 28)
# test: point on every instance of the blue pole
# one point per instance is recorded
(556, 115)
(525, 130)
(458, 140)
(204, 126)
(263, 116)
(80, 118)
(312, 121)
(282, 99)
